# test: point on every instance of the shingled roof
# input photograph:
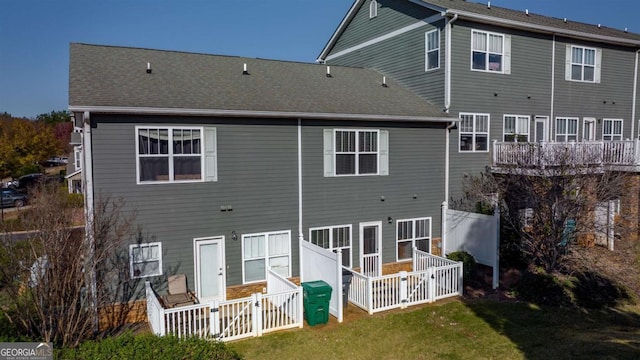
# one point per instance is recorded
(115, 79)
(537, 22)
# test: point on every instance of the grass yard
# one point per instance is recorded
(461, 330)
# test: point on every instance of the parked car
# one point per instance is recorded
(13, 198)
(56, 161)
(28, 181)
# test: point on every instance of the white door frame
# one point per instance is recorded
(378, 264)
(588, 133)
(222, 284)
(545, 126)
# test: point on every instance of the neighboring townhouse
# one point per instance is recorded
(74, 165)
(508, 75)
(230, 162)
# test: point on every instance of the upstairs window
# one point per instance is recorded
(516, 128)
(356, 152)
(490, 52)
(612, 129)
(566, 129)
(432, 46)
(373, 9)
(474, 132)
(583, 64)
(175, 154)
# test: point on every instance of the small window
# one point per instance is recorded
(373, 9)
(490, 52)
(474, 132)
(516, 128)
(583, 64)
(263, 251)
(432, 47)
(566, 129)
(412, 233)
(333, 238)
(612, 129)
(355, 152)
(77, 157)
(145, 260)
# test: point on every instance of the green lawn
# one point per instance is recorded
(461, 330)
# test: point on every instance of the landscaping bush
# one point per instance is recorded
(75, 200)
(469, 264)
(151, 347)
(542, 288)
(594, 291)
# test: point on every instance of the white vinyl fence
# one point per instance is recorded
(477, 234)
(281, 308)
(317, 263)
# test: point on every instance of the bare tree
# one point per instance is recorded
(60, 285)
(552, 200)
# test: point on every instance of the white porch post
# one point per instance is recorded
(214, 319)
(443, 230)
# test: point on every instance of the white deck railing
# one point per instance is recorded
(588, 153)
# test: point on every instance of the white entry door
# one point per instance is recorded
(209, 269)
(370, 246)
(542, 128)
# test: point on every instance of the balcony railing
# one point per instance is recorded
(550, 154)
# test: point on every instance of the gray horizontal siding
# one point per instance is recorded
(392, 15)
(416, 167)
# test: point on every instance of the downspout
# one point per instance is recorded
(553, 89)
(443, 229)
(447, 69)
(87, 183)
(633, 101)
(300, 234)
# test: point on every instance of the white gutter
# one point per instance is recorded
(300, 233)
(542, 28)
(633, 101)
(447, 70)
(252, 113)
(446, 161)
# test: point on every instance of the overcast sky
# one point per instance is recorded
(35, 35)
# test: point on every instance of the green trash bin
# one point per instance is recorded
(316, 298)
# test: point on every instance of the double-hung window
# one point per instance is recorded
(356, 152)
(175, 154)
(474, 132)
(490, 52)
(412, 233)
(333, 238)
(263, 251)
(145, 260)
(583, 64)
(566, 129)
(611, 129)
(432, 46)
(516, 128)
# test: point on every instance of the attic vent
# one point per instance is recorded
(148, 68)
(328, 71)
(244, 69)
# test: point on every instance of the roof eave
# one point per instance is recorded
(542, 29)
(256, 114)
(336, 34)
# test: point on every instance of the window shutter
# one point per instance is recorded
(567, 64)
(210, 155)
(507, 54)
(384, 152)
(328, 152)
(596, 75)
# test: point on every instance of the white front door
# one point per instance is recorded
(542, 128)
(370, 245)
(209, 268)
(589, 129)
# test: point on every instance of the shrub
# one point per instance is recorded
(75, 200)
(149, 346)
(469, 264)
(594, 291)
(542, 288)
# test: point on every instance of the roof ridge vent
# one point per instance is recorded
(626, 30)
(244, 69)
(329, 71)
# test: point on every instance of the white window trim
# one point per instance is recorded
(77, 157)
(475, 133)
(413, 238)
(566, 134)
(142, 245)
(373, 9)
(382, 153)
(518, 130)
(331, 228)
(505, 67)
(266, 256)
(569, 64)
(427, 51)
(208, 154)
(613, 121)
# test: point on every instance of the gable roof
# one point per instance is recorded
(107, 79)
(508, 18)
